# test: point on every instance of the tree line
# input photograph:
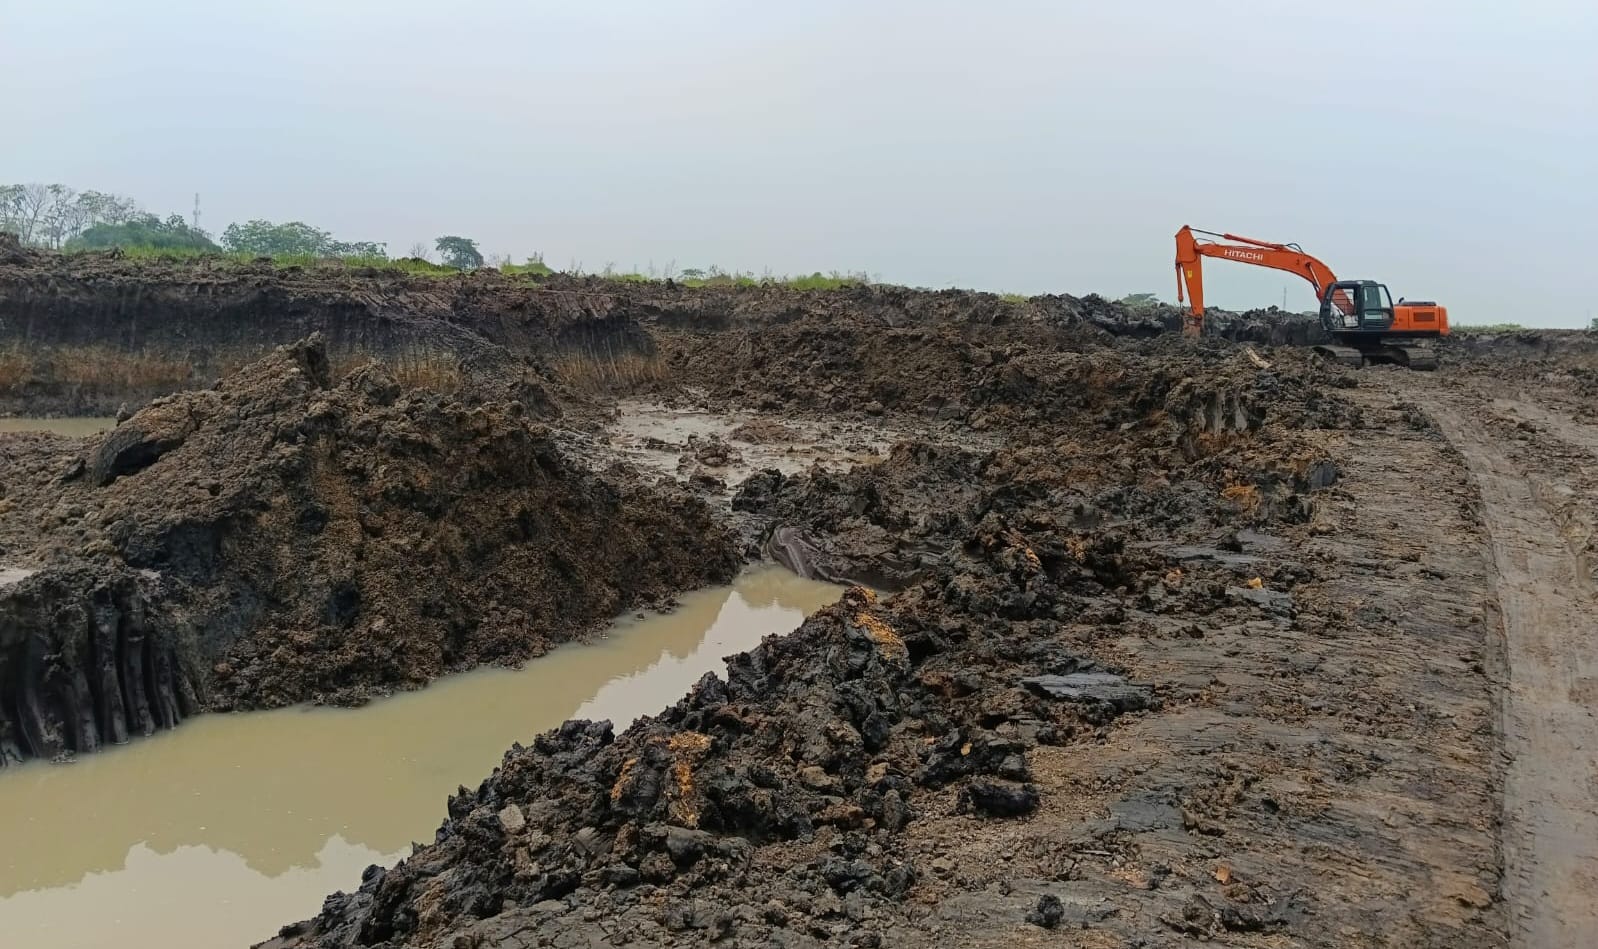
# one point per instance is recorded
(61, 218)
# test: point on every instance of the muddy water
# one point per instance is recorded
(76, 427)
(657, 436)
(218, 832)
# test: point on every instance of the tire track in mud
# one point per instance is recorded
(1564, 483)
(1548, 615)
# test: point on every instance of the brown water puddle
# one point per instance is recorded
(220, 831)
(75, 427)
(664, 438)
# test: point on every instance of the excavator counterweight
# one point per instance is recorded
(1359, 315)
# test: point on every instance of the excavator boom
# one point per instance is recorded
(1191, 249)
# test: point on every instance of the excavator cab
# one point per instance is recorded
(1356, 306)
(1364, 326)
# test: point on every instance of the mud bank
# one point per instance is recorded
(286, 537)
(85, 333)
(212, 834)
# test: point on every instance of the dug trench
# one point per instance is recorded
(1143, 661)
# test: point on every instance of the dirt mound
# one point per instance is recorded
(282, 537)
(720, 308)
(205, 304)
(1518, 348)
(1270, 326)
(762, 430)
(12, 252)
(881, 525)
(971, 375)
(1089, 441)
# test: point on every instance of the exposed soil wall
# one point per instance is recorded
(82, 334)
(85, 334)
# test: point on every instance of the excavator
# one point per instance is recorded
(1359, 315)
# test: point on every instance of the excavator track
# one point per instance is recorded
(1421, 357)
(1342, 355)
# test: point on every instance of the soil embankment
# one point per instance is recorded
(85, 334)
(285, 537)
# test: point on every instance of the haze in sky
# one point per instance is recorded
(1447, 149)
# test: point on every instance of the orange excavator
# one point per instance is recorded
(1358, 315)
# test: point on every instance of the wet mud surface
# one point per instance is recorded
(1153, 641)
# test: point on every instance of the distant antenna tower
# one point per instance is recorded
(196, 210)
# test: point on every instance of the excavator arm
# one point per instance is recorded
(1191, 250)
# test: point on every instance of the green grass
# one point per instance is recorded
(835, 280)
(411, 265)
(157, 253)
(535, 269)
(821, 281)
(716, 277)
(1487, 327)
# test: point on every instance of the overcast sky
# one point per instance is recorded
(1447, 149)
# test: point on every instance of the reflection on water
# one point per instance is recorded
(217, 832)
(76, 427)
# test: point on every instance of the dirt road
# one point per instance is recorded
(1531, 461)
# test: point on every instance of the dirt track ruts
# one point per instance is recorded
(1546, 613)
